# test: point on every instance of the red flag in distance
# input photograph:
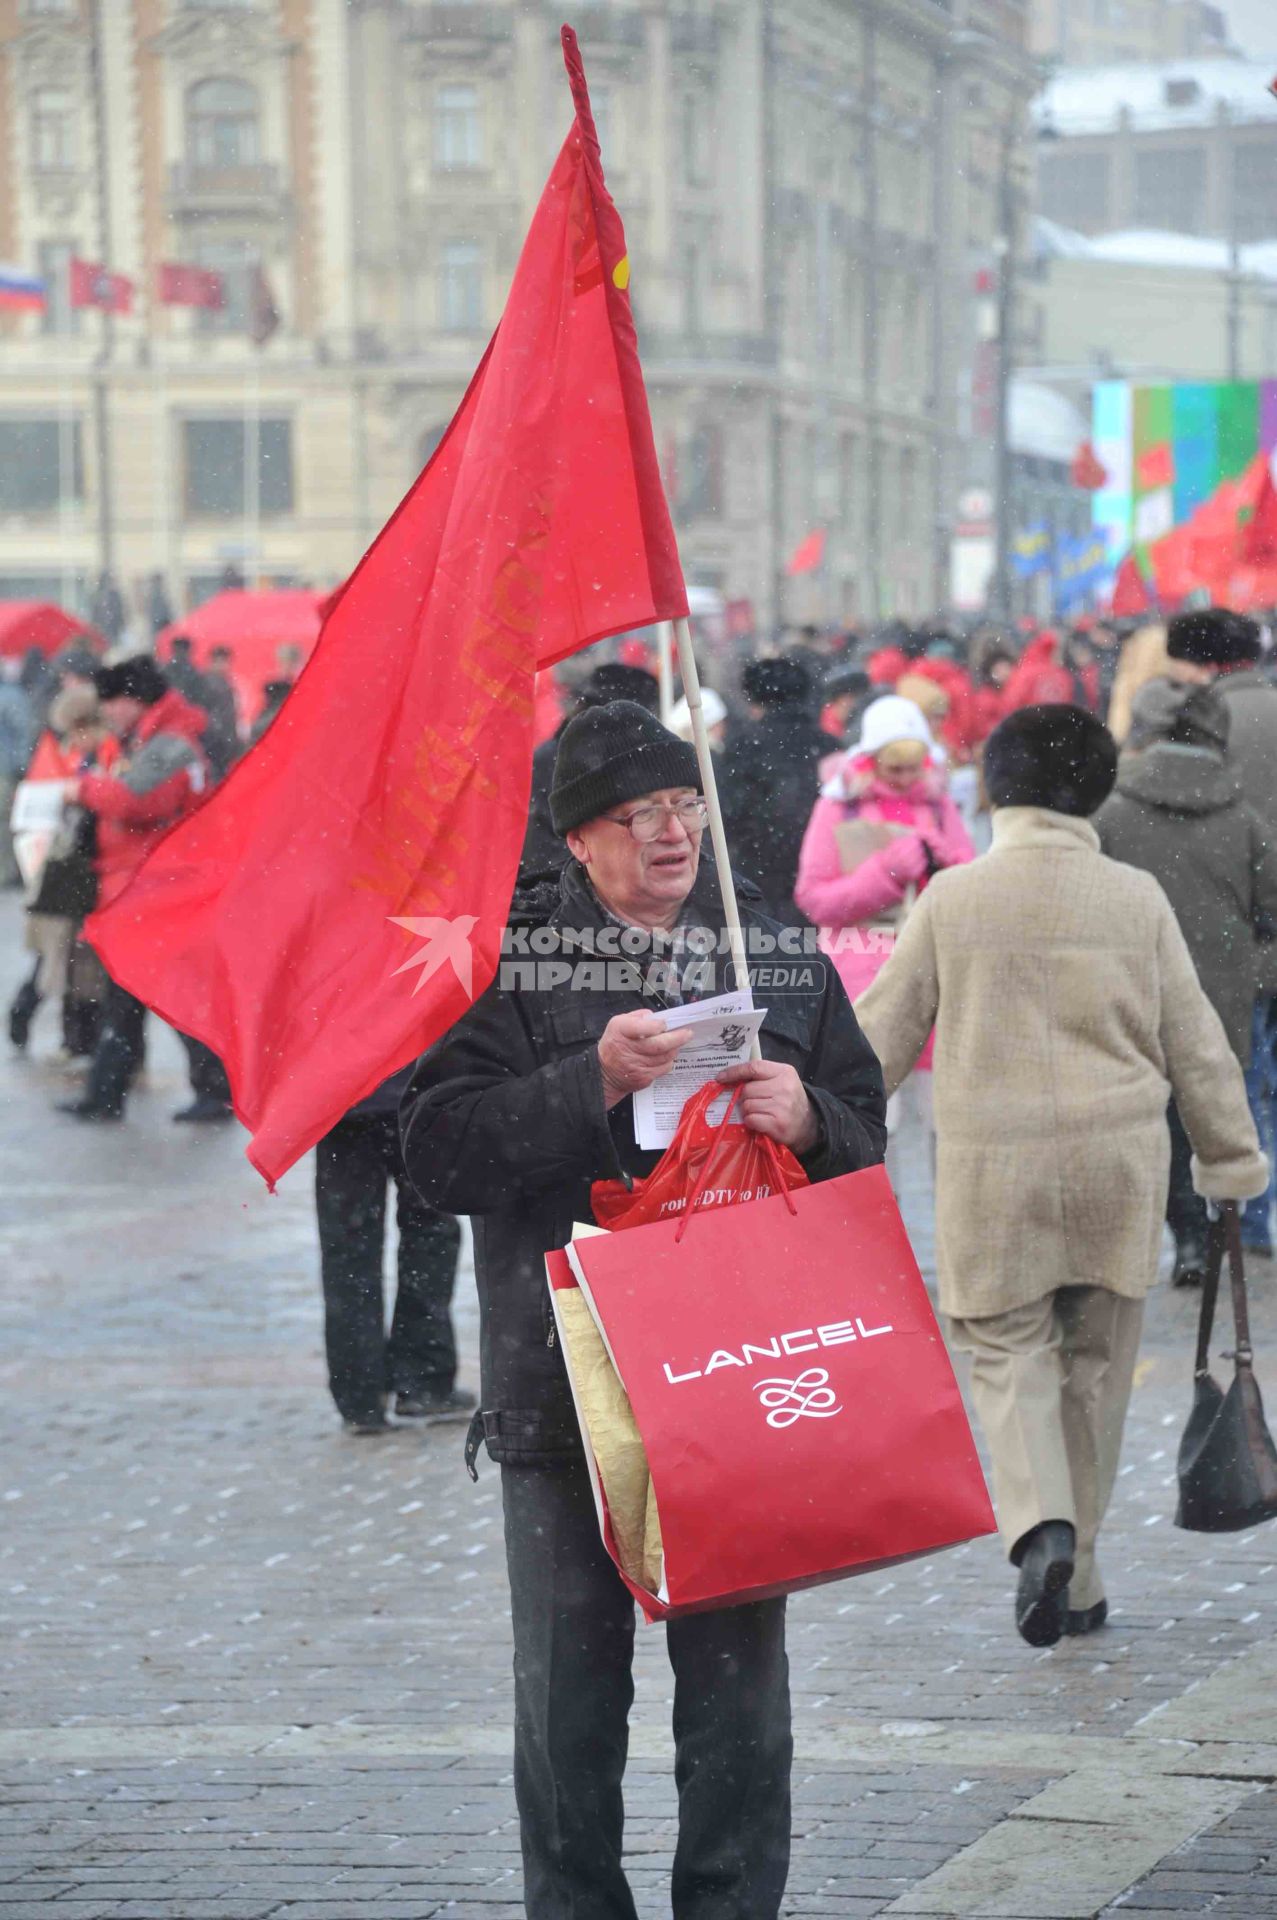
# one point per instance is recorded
(183, 286)
(807, 555)
(93, 285)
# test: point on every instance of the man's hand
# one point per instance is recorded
(634, 1050)
(774, 1101)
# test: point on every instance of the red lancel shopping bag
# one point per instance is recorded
(794, 1398)
(745, 1166)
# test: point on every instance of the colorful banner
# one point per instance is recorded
(1031, 551)
(1167, 449)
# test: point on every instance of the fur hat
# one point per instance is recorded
(614, 681)
(1058, 757)
(1213, 637)
(611, 754)
(137, 678)
(780, 682)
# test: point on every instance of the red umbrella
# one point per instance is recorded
(254, 626)
(38, 623)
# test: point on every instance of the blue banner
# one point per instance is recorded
(1031, 551)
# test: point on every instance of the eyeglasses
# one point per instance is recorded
(648, 823)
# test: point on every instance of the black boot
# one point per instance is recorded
(1086, 1619)
(22, 1010)
(1045, 1559)
(1190, 1263)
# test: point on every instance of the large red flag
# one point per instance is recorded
(1259, 536)
(338, 902)
(1130, 590)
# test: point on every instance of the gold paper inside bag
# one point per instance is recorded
(618, 1446)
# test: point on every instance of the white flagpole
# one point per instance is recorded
(665, 659)
(718, 839)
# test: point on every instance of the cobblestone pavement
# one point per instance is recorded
(253, 1667)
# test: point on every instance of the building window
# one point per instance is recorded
(38, 457)
(457, 131)
(1075, 190)
(52, 130)
(215, 467)
(604, 106)
(236, 262)
(48, 6)
(223, 125)
(1255, 191)
(698, 141)
(461, 287)
(59, 315)
(702, 491)
(1170, 188)
(848, 479)
(693, 289)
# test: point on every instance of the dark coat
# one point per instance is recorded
(505, 1121)
(1252, 754)
(1178, 813)
(544, 851)
(769, 781)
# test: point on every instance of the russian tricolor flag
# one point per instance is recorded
(20, 291)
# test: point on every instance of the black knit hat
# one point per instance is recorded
(615, 753)
(615, 681)
(1213, 637)
(780, 682)
(1057, 757)
(137, 678)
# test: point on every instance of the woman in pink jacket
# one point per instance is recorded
(859, 886)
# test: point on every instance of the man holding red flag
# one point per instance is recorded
(510, 1118)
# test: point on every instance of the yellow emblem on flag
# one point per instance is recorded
(621, 272)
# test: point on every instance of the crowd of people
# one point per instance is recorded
(1039, 878)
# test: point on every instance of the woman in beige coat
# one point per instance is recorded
(1067, 1012)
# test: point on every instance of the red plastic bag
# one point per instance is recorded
(745, 1166)
(794, 1399)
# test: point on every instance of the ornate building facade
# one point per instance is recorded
(810, 187)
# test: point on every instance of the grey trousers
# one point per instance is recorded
(1051, 1383)
(573, 1645)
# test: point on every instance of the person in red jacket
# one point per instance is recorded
(160, 774)
(1054, 670)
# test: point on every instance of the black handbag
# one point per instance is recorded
(1227, 1461)
(67, 886)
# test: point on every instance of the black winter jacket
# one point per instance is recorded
(769, 783)
(504, 1120)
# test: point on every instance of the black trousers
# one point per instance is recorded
(1185, 1208)
(573, 1645)
(118, 1054)
(353, 1164)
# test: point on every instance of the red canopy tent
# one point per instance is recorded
(254, 626)
(39, 623)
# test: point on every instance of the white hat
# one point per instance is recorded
(712, 706)
(890, 719)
